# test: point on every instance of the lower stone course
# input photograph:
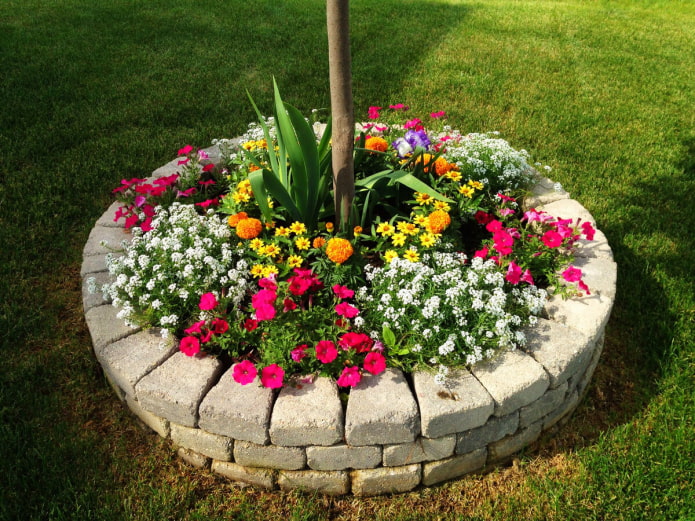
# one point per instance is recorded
(389, 438)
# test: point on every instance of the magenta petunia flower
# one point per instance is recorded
(195, 328)
(272, 376)
(373, 112)
(526, 277)
(208, 167)
(342, 291)
(265, 312)
(219, 326)
(482, 253)
(299, 352)
(185, 150)
(189, 345)
(513, 273)
(208, 301)
(572, 274)
(346, 310)
(326, 351)
(588, 230)
(244, 372)
(438, 114)
(350, 377)
(360, 342)
(399, 106)
(551, 239)
(374, 363)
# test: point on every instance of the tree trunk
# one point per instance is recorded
(343, 135)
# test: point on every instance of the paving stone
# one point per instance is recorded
(107, 219)
(454, 467)
(422, 449)
(154, 422)
(269, 456)
(113, 238)
(588, 314)
(239, 411)
(175, 389)
(585, 377)
(105, 327)
(172, 167)
(193, 458)
(596, 248)
(120, 393)
(495, 429)
(543, 192)
(253, 476)
(547, 403)
(381, 410)
(385, 480)
(499, 450)
(203, 442)
(341, 457)
(461, 404)
(513, 379)
(93, 299)
(134, 356)
(309, 414)
(563, 410)
(95, 263)
(561, 350)
(568, 209)
(599, 274)
(336, 483)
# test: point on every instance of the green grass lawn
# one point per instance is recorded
(94, 91)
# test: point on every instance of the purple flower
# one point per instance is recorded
(417, 138)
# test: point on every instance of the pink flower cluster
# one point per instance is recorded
(141, 190)
(204, 330)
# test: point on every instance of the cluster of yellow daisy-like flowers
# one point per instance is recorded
(408, 237)
(243, 192)
(252, 146)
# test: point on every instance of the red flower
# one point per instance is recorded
(350, 377)
(360, 342)
(272, 376)
(551, 239)
(250, 324)
(219, 326)
(244, 372)
(326, 351)
(207, 302)
(374, 363)
(189, 345)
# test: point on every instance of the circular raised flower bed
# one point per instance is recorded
(397, 431)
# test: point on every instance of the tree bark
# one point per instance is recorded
(343, 134)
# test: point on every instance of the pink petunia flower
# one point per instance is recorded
(185, 150)
(195, 328)
(360, 342)
(350, 377)
(373, 112)
(342, 291)
(186, 193)
(482, 253)
(208, 301)
(588, 230)
(572, 274)
(189, 345)
(265, 312)
(415, 123)
(219, 326)
(513, 273)
(299, 352)
(346, 310)
(526, 277)
(584, 287)
(244, 372)
(551, 239)
(438, 114)
(272, 376)
(374, 363)
(326, 351)
(208, 167)
(399, 106)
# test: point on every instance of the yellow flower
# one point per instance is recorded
(423, 199)
(398, 239)
(302, 243)
(241, 197)
(339, 250)
(428, 240)
(389, 255)
(453, 175)
(271, 203)
(294, 261)
(256, 244)
(269, 270)
(257, 270)
(411, 255)
(244, 187)
(407, 228)
(297, 228)
(441, 205)
(385, 229)
(282, 231)
(467, 191)
(272, 250)
(476, 184)
(420, 220)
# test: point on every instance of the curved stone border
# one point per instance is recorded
(393, 435)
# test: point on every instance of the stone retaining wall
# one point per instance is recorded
(397, 432)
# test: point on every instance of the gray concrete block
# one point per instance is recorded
(172, 167)
(547, 403)
(588, 314)
(381, 410)
(95, 264)
(585, 377)
(454, 467)
(336, 483)
(202, 442)
(462, 404)
(194, 459)
(154, 422)
(543, 192)
(495, 429)
(111, 237)
(309, 414)
(422, 449)
(561, 350)
(385, 480)
(505, 447)
(596, 248)
(93, 299)
(107, 218)
(253, 476)
(599, 274)
(565, 408)
(341, 457)
(513, 379)
(174, 389)
(105, 327)
(239, 411)
(269, 456)
(129, 359)
(568, 209)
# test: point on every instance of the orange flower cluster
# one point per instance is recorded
(319, 242)
(378, 144)
(249, 228)
(233, 220)
(437, 221)
(440, 165)
(338, 250)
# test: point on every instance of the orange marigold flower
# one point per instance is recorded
(233, 220)
(357, 230)
(329, 227)
(249, 228)
(438, 221)
(338, 250)
(376, 143)
(319, 242)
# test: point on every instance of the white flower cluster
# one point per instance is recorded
(162, 274)
(449, 311)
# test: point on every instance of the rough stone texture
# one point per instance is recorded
(92, 300)
(561, 350)
(568, 209)
(507, 446)
(131, 358)
(175, 388)
(106, 219)
(116, 388)
(564, 409)
(599, 274)
(454, 467)
(113, 237)
(543, 192)
(105, 327)
(422, 449)
(495, 429)
(341, 457)
(172, 167)
(253, 476)
(588, 314)
(193, 458)
(514, 379)
(543, 406)
(597, 248)
(334, 483)
(584, 378)
(385, 480)
(461, 404)
(381, 409)
(310, 414)
(270, 456)
(239, 411)
(156, 423)
(203, 442)
(95, 263)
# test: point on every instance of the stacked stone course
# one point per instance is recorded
(397, 432)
